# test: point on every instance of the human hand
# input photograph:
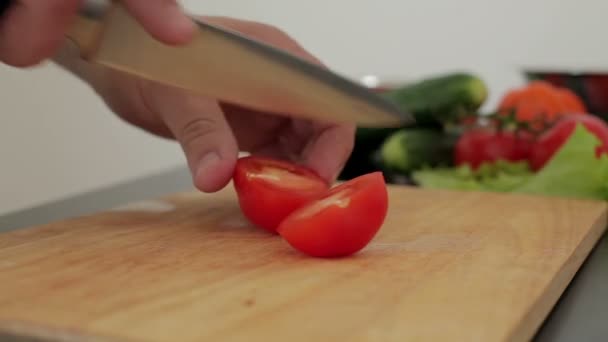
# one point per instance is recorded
(32, 30)
(211, 133)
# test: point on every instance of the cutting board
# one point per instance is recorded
(446, 266)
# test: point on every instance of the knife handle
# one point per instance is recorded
(4, 5)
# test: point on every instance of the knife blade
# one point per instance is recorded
(228, 66)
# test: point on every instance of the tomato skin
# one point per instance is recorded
(486, 145)
(266, 203)
(326, 230)
(550, 141)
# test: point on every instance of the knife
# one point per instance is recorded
(227, 66)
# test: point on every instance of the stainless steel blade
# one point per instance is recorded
(232, 68)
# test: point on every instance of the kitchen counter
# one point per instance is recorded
(580, 315)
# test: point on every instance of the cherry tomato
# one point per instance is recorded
(340, 223)
(550, 141)
(486, 145)
(268, 190)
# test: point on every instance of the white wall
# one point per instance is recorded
(58, 139)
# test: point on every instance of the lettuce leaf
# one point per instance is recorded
(574, 171)
(500, 176)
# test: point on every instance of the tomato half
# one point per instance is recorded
(340, 223)
(550, 141)
(268, 190)
(486, 145)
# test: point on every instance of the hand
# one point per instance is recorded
(211, 133)
(32, 30)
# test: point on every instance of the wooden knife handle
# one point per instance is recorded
(4, 5)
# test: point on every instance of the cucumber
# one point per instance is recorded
(435, 102)
(440, 100)
(409, 150)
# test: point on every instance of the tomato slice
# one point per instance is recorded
(340, 223)
(268, 190)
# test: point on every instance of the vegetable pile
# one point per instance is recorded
(539, 140)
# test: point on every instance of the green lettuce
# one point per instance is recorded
(500, 176)
(574, 171)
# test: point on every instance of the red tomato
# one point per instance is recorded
(342, 222)
(268, 190)
(550, 141)
(485, 145)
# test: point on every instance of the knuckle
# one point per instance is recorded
(195, 131)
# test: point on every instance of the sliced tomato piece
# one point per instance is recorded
(268, 190)
(340, 223)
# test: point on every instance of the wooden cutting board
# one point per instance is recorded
(447, 266)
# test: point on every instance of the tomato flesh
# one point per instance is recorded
(268, 190)
(340, 223)
(550, 141)
(282, 178)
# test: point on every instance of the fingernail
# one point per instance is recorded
(206, 163)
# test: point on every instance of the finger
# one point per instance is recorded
(265, 33)
(31, 30)
(328, 151)
(199, 126)
(163, 19)
(242, 119)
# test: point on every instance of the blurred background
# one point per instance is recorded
(58, 139)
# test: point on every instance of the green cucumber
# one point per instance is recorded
(440, 100)
(436, 103)
(411, 149)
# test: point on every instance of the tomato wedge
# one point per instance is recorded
(340, 223)
(268, 190)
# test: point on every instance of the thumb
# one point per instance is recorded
(200, 127)
(32, 30)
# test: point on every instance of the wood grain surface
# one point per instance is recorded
(447, 266)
